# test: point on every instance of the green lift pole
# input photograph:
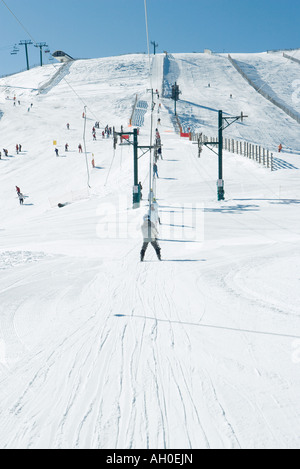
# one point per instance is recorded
(26, 43)
(223, 123)
(221, 192)
(136, 147)
(136, 187)
(41, 45)
(154, 46)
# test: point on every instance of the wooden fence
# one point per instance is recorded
(248, 150)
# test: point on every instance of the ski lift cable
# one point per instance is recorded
(84, 142)
(152, 104)
(6, 47)
(17, 19)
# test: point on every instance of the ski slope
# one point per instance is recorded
(274, 74)
(98, 350)
(210, 83)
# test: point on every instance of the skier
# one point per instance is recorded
(80, 148)
(21, 198)
(68, 126)
(150, 235)
(66, 147)
(17, 149)
(141, 188)
(56, 151)
(20, 148)
(155, 171)
(154, 215)
(279, 148)
(18, 190)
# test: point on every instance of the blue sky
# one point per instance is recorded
(97, 28)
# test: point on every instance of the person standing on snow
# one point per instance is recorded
(56, 151)
(21, 198)
(18, 190)
(150, 235)
(141, 188)
(155, 170)
(154, 215)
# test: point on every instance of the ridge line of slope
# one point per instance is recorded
(289, 112)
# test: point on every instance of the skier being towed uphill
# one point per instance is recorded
(150, 235)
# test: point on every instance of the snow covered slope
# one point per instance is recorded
(274, 74)
(210, 83)
(98, 350)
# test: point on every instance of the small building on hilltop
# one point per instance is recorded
(62, 56)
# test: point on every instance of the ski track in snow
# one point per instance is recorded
(98, 350)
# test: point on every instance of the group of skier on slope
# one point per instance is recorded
(106, 132)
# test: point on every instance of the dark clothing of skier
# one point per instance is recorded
(141, 188)
(21, 198)
(150, 235)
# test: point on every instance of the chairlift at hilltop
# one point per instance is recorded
(15, 50)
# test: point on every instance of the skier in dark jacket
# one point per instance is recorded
(21, 198)
(150, 235)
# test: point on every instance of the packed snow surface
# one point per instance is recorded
(99, 350)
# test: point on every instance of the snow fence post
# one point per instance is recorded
(272, 167)
(259, 154)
